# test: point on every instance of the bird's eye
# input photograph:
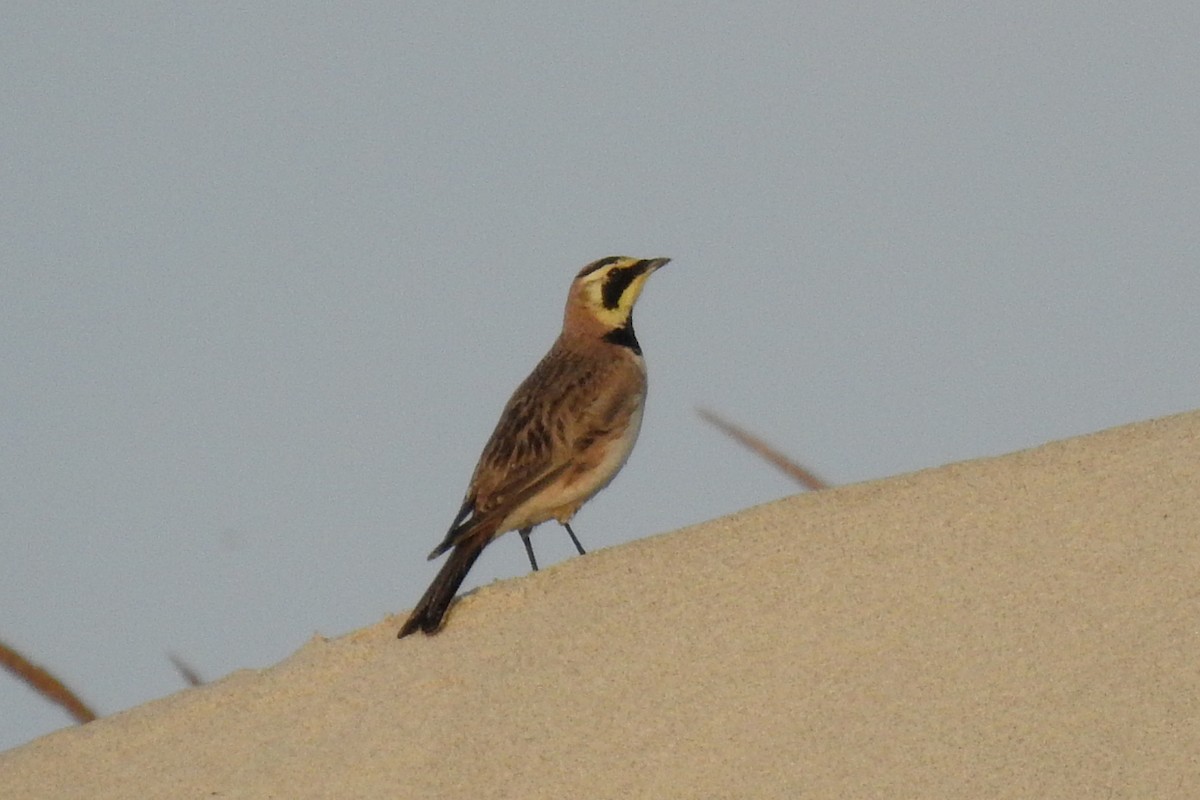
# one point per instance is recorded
(615, 284)
(595, 265)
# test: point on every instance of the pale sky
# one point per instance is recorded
(269, 276)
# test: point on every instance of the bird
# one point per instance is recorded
(563, 435)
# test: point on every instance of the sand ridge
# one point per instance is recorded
(1021, 626)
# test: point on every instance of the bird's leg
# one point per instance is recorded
(574, 539)
(529, 546)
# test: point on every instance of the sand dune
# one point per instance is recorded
(1024, 626)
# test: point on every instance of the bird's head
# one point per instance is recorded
(604, 292)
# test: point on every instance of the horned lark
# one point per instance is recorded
(564, 434)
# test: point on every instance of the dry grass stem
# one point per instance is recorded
(804, 477)
(185, 669)
(44, 683)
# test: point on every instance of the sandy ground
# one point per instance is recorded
(1025, 626)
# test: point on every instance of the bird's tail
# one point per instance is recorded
(428, 614)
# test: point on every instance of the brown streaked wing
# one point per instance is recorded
(541, 425)
(531, 427)
(569, 401)
(493, 515)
